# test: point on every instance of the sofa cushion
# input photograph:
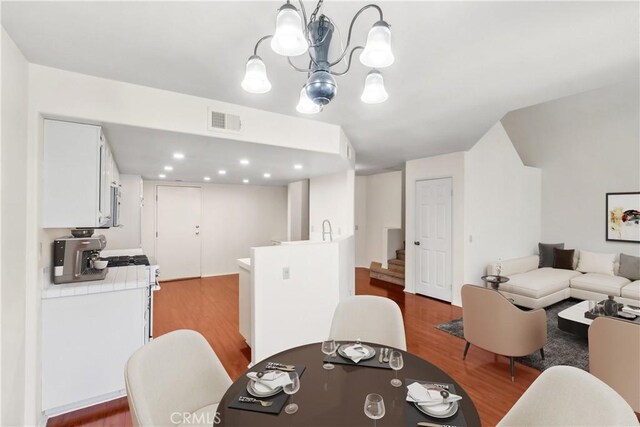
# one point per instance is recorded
(632, 290)
(629, 267)
(601, 283)
(563, 258)
(547, 255)
(593, 262)
(539, 283)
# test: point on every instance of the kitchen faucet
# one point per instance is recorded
(330, 232)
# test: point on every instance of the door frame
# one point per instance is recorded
(155, 220)
(416, 265)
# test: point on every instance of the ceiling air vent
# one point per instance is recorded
(223, 121)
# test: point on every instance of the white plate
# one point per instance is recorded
(446, 414)
(256, 393)
(370, 351)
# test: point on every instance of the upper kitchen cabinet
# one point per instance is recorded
(79, 172)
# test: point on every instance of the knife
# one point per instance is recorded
(426, 424)
(280, 367)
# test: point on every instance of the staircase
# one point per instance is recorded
(394, 274)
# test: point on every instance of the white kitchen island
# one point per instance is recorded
(89, 330)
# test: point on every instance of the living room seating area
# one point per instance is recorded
(538, 281)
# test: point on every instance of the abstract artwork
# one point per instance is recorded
(623, 217)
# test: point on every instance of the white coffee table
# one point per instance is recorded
(572, 319)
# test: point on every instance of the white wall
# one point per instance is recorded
(298, 309)
(502, 204)
(298, 210)
(384, 211)
(362, 260)
(129, 235)
(444, 166)
(586, 145)
(234, 219)
(332, 197)
(13, 288)
(79, 96)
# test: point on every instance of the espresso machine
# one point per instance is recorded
(73, 256)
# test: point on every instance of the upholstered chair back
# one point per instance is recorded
(371, 319)
(175, 373)
(614, 356)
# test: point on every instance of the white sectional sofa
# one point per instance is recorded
(533, 287)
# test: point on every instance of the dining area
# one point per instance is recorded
(351, 394)
(362, 375)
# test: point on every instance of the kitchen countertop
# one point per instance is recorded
(117, 279)
(244, 263)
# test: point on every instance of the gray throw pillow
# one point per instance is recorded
(546, 253)
(629, 267)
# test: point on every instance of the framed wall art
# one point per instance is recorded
(623, 217)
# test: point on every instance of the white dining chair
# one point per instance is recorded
(568, 396)
(370, 319)
(176, 379)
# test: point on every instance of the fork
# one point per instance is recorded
(265, 403)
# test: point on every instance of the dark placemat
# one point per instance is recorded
(414, 415)
(371, 363)
(279, 400)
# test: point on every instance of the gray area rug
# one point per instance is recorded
(562, 347)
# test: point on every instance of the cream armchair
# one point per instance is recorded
(175, 379)
(614, 356)
(369, 318)
(492, 323)
(568, 396)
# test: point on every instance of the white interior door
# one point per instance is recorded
(178, 212)
(433, 238)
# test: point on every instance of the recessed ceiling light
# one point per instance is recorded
(267, 175)
(168, 168)
(222, 172)
(244, 161)
(298, 166)
(207, 178)
(178, 156)
(162, 175)
(245, 181)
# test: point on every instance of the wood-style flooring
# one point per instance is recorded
(210, 306)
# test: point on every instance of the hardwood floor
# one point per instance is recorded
(210, 306)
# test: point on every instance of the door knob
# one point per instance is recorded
(416, 243)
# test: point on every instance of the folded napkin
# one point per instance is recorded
(355, 352)
(269, 381)
(432, 398)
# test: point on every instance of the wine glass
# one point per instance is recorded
(292, 389)
(396, 363)
(374, 407)
(329, 347)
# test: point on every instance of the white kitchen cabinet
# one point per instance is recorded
(86, 342)
(77, 172)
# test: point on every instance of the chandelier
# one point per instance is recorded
(295, 36)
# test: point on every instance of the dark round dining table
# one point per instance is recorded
(335, 398)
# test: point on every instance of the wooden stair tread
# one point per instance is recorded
(377, 272)
(396, 262)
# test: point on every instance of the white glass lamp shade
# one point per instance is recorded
(255, 77)
(374, 91)
(306, 105)
(377, 52)
(289, 39)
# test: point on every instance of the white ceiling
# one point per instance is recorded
(460, 66)
(145, 152)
